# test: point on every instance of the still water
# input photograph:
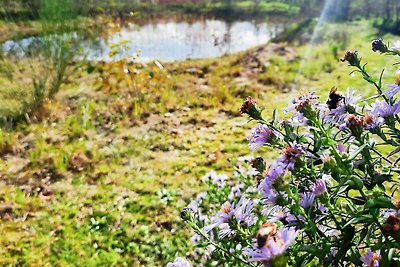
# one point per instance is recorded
(171, 40)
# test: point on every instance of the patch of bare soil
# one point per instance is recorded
(257, 61)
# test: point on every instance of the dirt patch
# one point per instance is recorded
(256, 61)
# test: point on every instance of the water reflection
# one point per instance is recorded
(168, 41)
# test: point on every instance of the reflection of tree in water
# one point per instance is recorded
(224, 42)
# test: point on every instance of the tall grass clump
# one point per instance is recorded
(32, 71)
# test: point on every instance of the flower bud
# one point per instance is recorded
(250, 108)
(352, 58)
(379, 45)
(186, 214)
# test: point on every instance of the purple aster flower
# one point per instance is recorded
(382, 109)
(209, 176)
(298, 119)
(341, 148)
(243, 211)
(200, 197)
(371, 259)
(261, 135)
(334, 251)
(236, 191)
(276, 170)
(290, 218)
(393, 89)
(307, 199)
(351, 97)
(196, 239)
(179, 262)
(225, 231)
(219, 180)
(322, 208)
(275, 245)
(290, 156)
(274, 213)
(285, 161)
(319, 187)
(267, 190)
(226, 212)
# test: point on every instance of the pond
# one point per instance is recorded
(173, 40)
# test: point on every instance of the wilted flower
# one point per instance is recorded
(371, 259)
(262, 134)
(250, 108)
(354, 123)
(276, 243)
(371, 122)
(392, 224)
(325, 158)
(379, 45)
(352, 58)
(179, 262)
(303, 107)
(319, 187)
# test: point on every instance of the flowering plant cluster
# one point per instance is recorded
(331, 198)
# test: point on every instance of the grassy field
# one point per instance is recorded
(99, 176)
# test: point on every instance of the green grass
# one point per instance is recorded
(101, 179)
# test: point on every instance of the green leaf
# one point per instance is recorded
(360, 219)
(203, 244)
(355, 153)
(311, 249)
(379, 202)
